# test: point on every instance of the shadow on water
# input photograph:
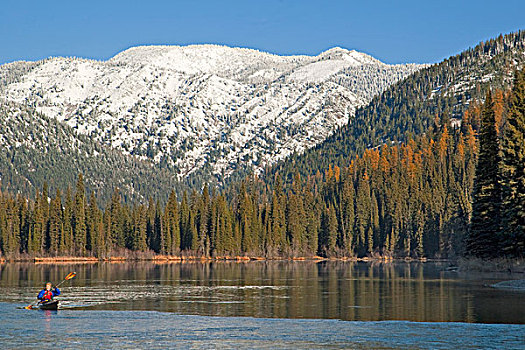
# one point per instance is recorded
(315, 290)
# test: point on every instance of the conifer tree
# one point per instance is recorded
(55, 223)
(363, 210)
(184, 225)
(79, 217)
(165, 236)
(140, 220)
(172, 228)
(203, 220)
(66, 240)
(277, 234)
(44, 235)
(37, 241)
(157, 229)
(223, 242)
(12, 243)
(312, 221)
(193, 229)
(374, 223)
(3, 225)
(107, 232)
(192, 232)
(347, 216)
(513, 171)
(328, 238)
(94, 227)
(483, 239)
(115, 223)
(245, 217)
(295, 218)
(151, 238)
(25, 222)
(331, 230)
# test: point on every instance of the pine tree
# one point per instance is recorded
(172, 225)
(347, 216)
(66, 240)
(203, 221)
(11, 240)
(222, 243)
(36, 243)
(483, 239)
(126, 213)
(362, 213)
(158, 227)
(139, 220)
(55, 223)
(79, 217)
(312, 221)
(513, 171)
(151, 237)
(94, 227)
(25, 222)
(295, 218)
(277, 234)
(245, 217)
(107, 232)
(192, 232)
(3, 224)
(184, 226)
(115, 223)
(374, 223)
(328, 238)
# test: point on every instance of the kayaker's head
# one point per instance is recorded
(48, 286)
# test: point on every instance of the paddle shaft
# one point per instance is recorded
(61, 282)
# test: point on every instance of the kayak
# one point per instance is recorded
(49, 305)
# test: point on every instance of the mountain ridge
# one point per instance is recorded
(206, 112)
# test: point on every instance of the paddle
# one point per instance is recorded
(68, 277)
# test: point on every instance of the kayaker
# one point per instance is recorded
(48, 293)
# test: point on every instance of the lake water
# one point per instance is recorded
(261, 305)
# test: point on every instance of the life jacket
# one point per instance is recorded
(48, 295)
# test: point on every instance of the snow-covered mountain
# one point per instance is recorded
(203, 109)
(35, 149)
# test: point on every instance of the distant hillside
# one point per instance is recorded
(410, 106)
(35, 149)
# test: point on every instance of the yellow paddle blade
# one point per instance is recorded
(29, 307)
(70, 275)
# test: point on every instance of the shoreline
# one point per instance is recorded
(181, 259)
(505, 265)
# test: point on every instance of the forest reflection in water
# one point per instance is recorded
(361, 291)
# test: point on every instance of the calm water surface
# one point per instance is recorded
(262, 304)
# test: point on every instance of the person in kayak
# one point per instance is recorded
(48, 293)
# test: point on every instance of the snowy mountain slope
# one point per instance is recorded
(205, 108)
(35, 149)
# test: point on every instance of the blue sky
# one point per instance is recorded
(393, 31)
